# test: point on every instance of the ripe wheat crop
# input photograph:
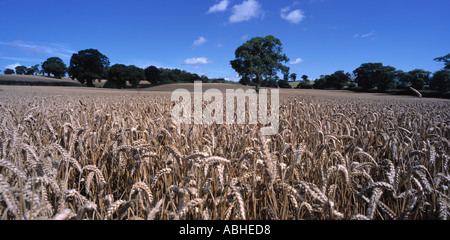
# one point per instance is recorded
(120, 157)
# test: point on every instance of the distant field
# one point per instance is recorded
(294, 84)
(166, 90)
(36, 80)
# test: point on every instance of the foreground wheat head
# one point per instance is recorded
(120, 157)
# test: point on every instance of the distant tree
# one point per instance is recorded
(21, 70)
(259, 59)
(135, 75)
(33, 70)
(441, 81)
(386, 78)
(304, 85)
(445, 59)
(175, 75)
(269, 82)
(370, 75)
(218, 80)
(165, 75)
(192, 77)
(55, 66)
(403, 79)
(117, 76)
(352, 85)
(9, 71)
(204, 79)
(419, 78)
(293, 76)
(153, 75)
(321, 83)
(88, 65)
(416, 78)
(282, 83)
(338, 80)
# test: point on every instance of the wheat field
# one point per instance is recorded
(112, 155)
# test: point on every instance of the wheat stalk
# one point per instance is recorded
(237, 195)
(113, 208)
(141, 186)
(188, 206)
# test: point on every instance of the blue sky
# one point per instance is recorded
(200, 36)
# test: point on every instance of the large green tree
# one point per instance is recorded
(88, 65)
(55, 66)
(371, 75)
(259, 60)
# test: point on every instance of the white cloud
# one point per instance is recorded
(365, 35)
(296, 61)
(13, 66)
(198, 42)
(368, 34)
(245, 11)
(294, 16)
(220, 7)
(195, 61)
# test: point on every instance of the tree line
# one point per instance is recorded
(380, 78)
(260, 60)
(90, 65)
